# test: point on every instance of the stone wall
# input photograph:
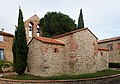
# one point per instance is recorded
(6, 44)
(102, 60)
(114, 55)
(45, 59)
(80, 52)
(79, 55)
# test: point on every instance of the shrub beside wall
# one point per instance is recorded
(114, 65)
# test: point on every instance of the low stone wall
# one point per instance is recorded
(114, 79)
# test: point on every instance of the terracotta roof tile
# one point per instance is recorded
(103, 49)
(6, 34)
(74, 31)
(109, 40)
(48, 40)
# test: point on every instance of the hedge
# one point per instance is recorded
(114, 65)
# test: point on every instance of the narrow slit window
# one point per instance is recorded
(101, 53)
(55, 50)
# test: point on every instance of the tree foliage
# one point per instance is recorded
(80, 20)
(19, 48)
(55, 23)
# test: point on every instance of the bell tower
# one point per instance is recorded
(32, 27)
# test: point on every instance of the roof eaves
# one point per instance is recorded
(57, 42)
(53, 43)
(108, 40)
(6, 34)
(102, 49)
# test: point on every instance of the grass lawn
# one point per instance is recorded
(65, 77)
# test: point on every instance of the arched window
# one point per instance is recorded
(30, 29)
(38, 30)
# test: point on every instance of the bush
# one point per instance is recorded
(114, 65)
(1, 64)
(7, 66)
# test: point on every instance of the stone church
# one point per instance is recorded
(113, 44)
(74, 52)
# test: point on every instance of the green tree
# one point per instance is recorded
(80, 20)
(19, 48)
(54, 23)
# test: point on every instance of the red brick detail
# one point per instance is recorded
(72, 45)
(73, 59)
(102, 49)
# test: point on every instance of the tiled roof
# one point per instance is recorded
(74, 31)
(48, 40)
(103, 49)
(109, 40)
(6, 34)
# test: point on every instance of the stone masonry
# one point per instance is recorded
(45, 59)
(113, 44)
(79, 54)
(102, 59)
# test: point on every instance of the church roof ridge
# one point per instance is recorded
(74, 31)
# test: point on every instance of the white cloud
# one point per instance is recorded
(101, 16)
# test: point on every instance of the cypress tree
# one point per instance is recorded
(80, 20)
(19, 48)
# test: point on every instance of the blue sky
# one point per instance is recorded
(102, 17)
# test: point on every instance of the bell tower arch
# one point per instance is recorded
(32, 27)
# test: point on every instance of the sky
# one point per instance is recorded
(102, 17)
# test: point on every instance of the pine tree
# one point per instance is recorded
(19, 48)
(56, 23)
(80, 20)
